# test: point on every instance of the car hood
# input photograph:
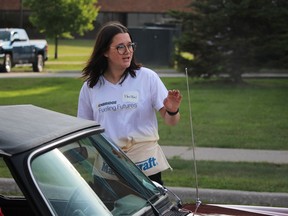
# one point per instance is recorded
(4, 43)
(233, 210)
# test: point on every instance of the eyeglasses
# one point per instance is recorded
(121, 48)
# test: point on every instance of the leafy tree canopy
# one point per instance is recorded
(61, 18)
(233, 36)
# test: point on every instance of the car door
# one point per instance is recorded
(22, 49)
(27, 47)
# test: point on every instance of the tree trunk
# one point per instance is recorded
(236, 76)
(56, 47)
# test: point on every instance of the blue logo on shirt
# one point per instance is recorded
(147, 164)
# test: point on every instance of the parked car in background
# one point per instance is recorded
(17, 49)
(65, 166)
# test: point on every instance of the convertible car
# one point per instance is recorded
(65, 166)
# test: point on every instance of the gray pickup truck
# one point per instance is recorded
(17, 49)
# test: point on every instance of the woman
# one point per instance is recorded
(123, 96)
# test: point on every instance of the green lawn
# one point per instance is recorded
(253, 115)
(260, 177)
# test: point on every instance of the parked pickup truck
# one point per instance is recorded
(16, 48)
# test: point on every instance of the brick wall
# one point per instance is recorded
(127, 6)
(143, 6)
(10, 4)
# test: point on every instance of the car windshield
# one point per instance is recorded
(4, 35)
(91, 176)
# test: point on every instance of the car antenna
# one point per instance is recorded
(198, 201)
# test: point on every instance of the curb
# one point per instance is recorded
(227, 155)
(188, 195)
(216, 196)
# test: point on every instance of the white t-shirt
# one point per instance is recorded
(127, 111)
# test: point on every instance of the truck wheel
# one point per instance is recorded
(38, 63)
(7, 63)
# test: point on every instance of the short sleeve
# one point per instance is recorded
(158, 91)
(84, 105)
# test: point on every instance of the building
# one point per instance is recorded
(131, 13)
(140, 12)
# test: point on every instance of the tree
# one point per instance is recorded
(233, 36)
(61, 18)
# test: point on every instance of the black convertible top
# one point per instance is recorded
(23, 127)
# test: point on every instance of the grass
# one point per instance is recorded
(72, 55)
(58, 94)
(251, 115)
(259, 177)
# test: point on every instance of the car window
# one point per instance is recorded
(8, 187)
(4, 35)
(62, 186)
(91, 176)
(12, 200)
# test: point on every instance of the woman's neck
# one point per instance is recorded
(113, 76)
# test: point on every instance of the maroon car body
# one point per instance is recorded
(239, 210)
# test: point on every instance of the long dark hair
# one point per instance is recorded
(97, 63)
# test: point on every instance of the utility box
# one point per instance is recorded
(155, 45)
